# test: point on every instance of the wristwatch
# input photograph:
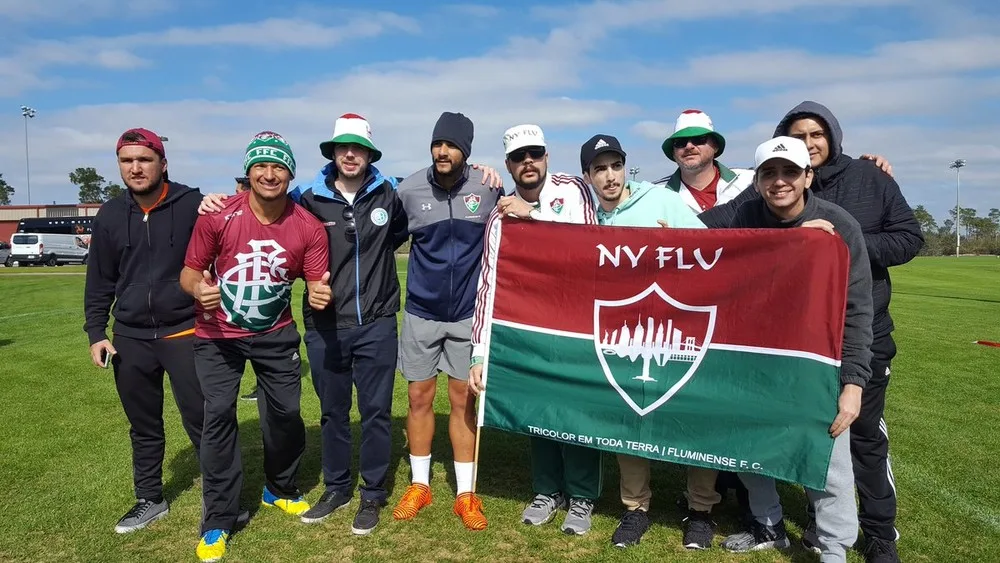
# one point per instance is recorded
(535, 214)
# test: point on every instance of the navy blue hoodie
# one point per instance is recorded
(136, 262)
(891, 232)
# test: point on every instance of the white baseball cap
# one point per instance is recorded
(521, 136)
(788, 148)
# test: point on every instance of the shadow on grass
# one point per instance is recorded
(945, 297)
(5, 342)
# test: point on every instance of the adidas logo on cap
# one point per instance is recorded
(600, 144)
(787, 148)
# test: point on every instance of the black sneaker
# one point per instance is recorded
(330, 502)
(251, 396)
(880, 551)
(699, 529)
(810, 541)
(631, 527)
(367, 517)
(758, 538)
(142, 514)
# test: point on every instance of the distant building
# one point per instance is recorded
(11, 214)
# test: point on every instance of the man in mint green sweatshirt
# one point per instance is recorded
(630, 204)
(603, 163)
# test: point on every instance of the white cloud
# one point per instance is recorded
(910, 59)
(25, 67)
(78, 11)
(883, 99)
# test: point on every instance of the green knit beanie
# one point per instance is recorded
(268, 146)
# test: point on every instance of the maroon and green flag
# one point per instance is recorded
(715, 348)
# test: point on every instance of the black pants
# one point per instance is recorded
(366, 357)
(275, 359)
(139, 367)
(870, 450)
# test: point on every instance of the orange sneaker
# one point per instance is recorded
(469, 508)
(416, 497)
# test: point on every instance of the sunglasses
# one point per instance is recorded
(517, 156)
(696, 141)
(348, 215)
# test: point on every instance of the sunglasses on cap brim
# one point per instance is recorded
(520, 154)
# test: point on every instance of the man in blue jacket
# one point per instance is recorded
(447, 205)
(353, 343)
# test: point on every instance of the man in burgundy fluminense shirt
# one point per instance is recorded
(240, 267)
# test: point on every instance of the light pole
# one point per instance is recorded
(28, 113)
(957, 165)
(633, 171)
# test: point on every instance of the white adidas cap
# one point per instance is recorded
(788, 148)
(521, 136)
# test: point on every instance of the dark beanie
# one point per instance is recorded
(456, 129)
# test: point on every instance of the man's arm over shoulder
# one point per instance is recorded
(103, 260)
(856, 355)
(900, 238)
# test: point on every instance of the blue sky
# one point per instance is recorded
(916, 81)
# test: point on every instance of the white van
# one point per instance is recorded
(48, 248)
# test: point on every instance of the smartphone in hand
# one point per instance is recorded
(106, 358)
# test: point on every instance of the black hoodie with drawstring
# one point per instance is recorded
(135, 262)
(891, 232)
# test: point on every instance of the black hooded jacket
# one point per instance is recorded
(135, 262)
(892, 234)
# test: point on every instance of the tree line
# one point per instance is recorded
(979, 235)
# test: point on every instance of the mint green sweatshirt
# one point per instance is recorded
(646, 203)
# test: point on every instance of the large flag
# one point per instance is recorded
(715, 348)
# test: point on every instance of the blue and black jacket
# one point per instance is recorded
(448, 229)
(363, 238)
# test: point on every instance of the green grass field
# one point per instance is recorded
(65, 458)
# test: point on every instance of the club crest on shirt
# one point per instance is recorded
(557, 205)
(472, 202)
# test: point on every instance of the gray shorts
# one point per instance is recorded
(425, 347)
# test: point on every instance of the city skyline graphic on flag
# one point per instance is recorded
(649, 345)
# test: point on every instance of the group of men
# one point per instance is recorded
(198, 296)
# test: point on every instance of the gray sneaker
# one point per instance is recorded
(577, 520)
(759, 537)
(543, 509)
(144, 513)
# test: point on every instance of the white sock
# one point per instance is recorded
(463, 476)
(420, 468)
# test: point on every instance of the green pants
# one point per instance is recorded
(573, 470)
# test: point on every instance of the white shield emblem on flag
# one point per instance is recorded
(650, 345)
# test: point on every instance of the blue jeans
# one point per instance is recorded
(364, 356)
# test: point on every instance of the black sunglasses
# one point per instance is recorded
(536, 153)
(696, 141)
(348, 215)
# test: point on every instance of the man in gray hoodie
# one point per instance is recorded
(783, 172)
(892, 237)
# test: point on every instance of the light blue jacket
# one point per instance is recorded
(646, 203)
